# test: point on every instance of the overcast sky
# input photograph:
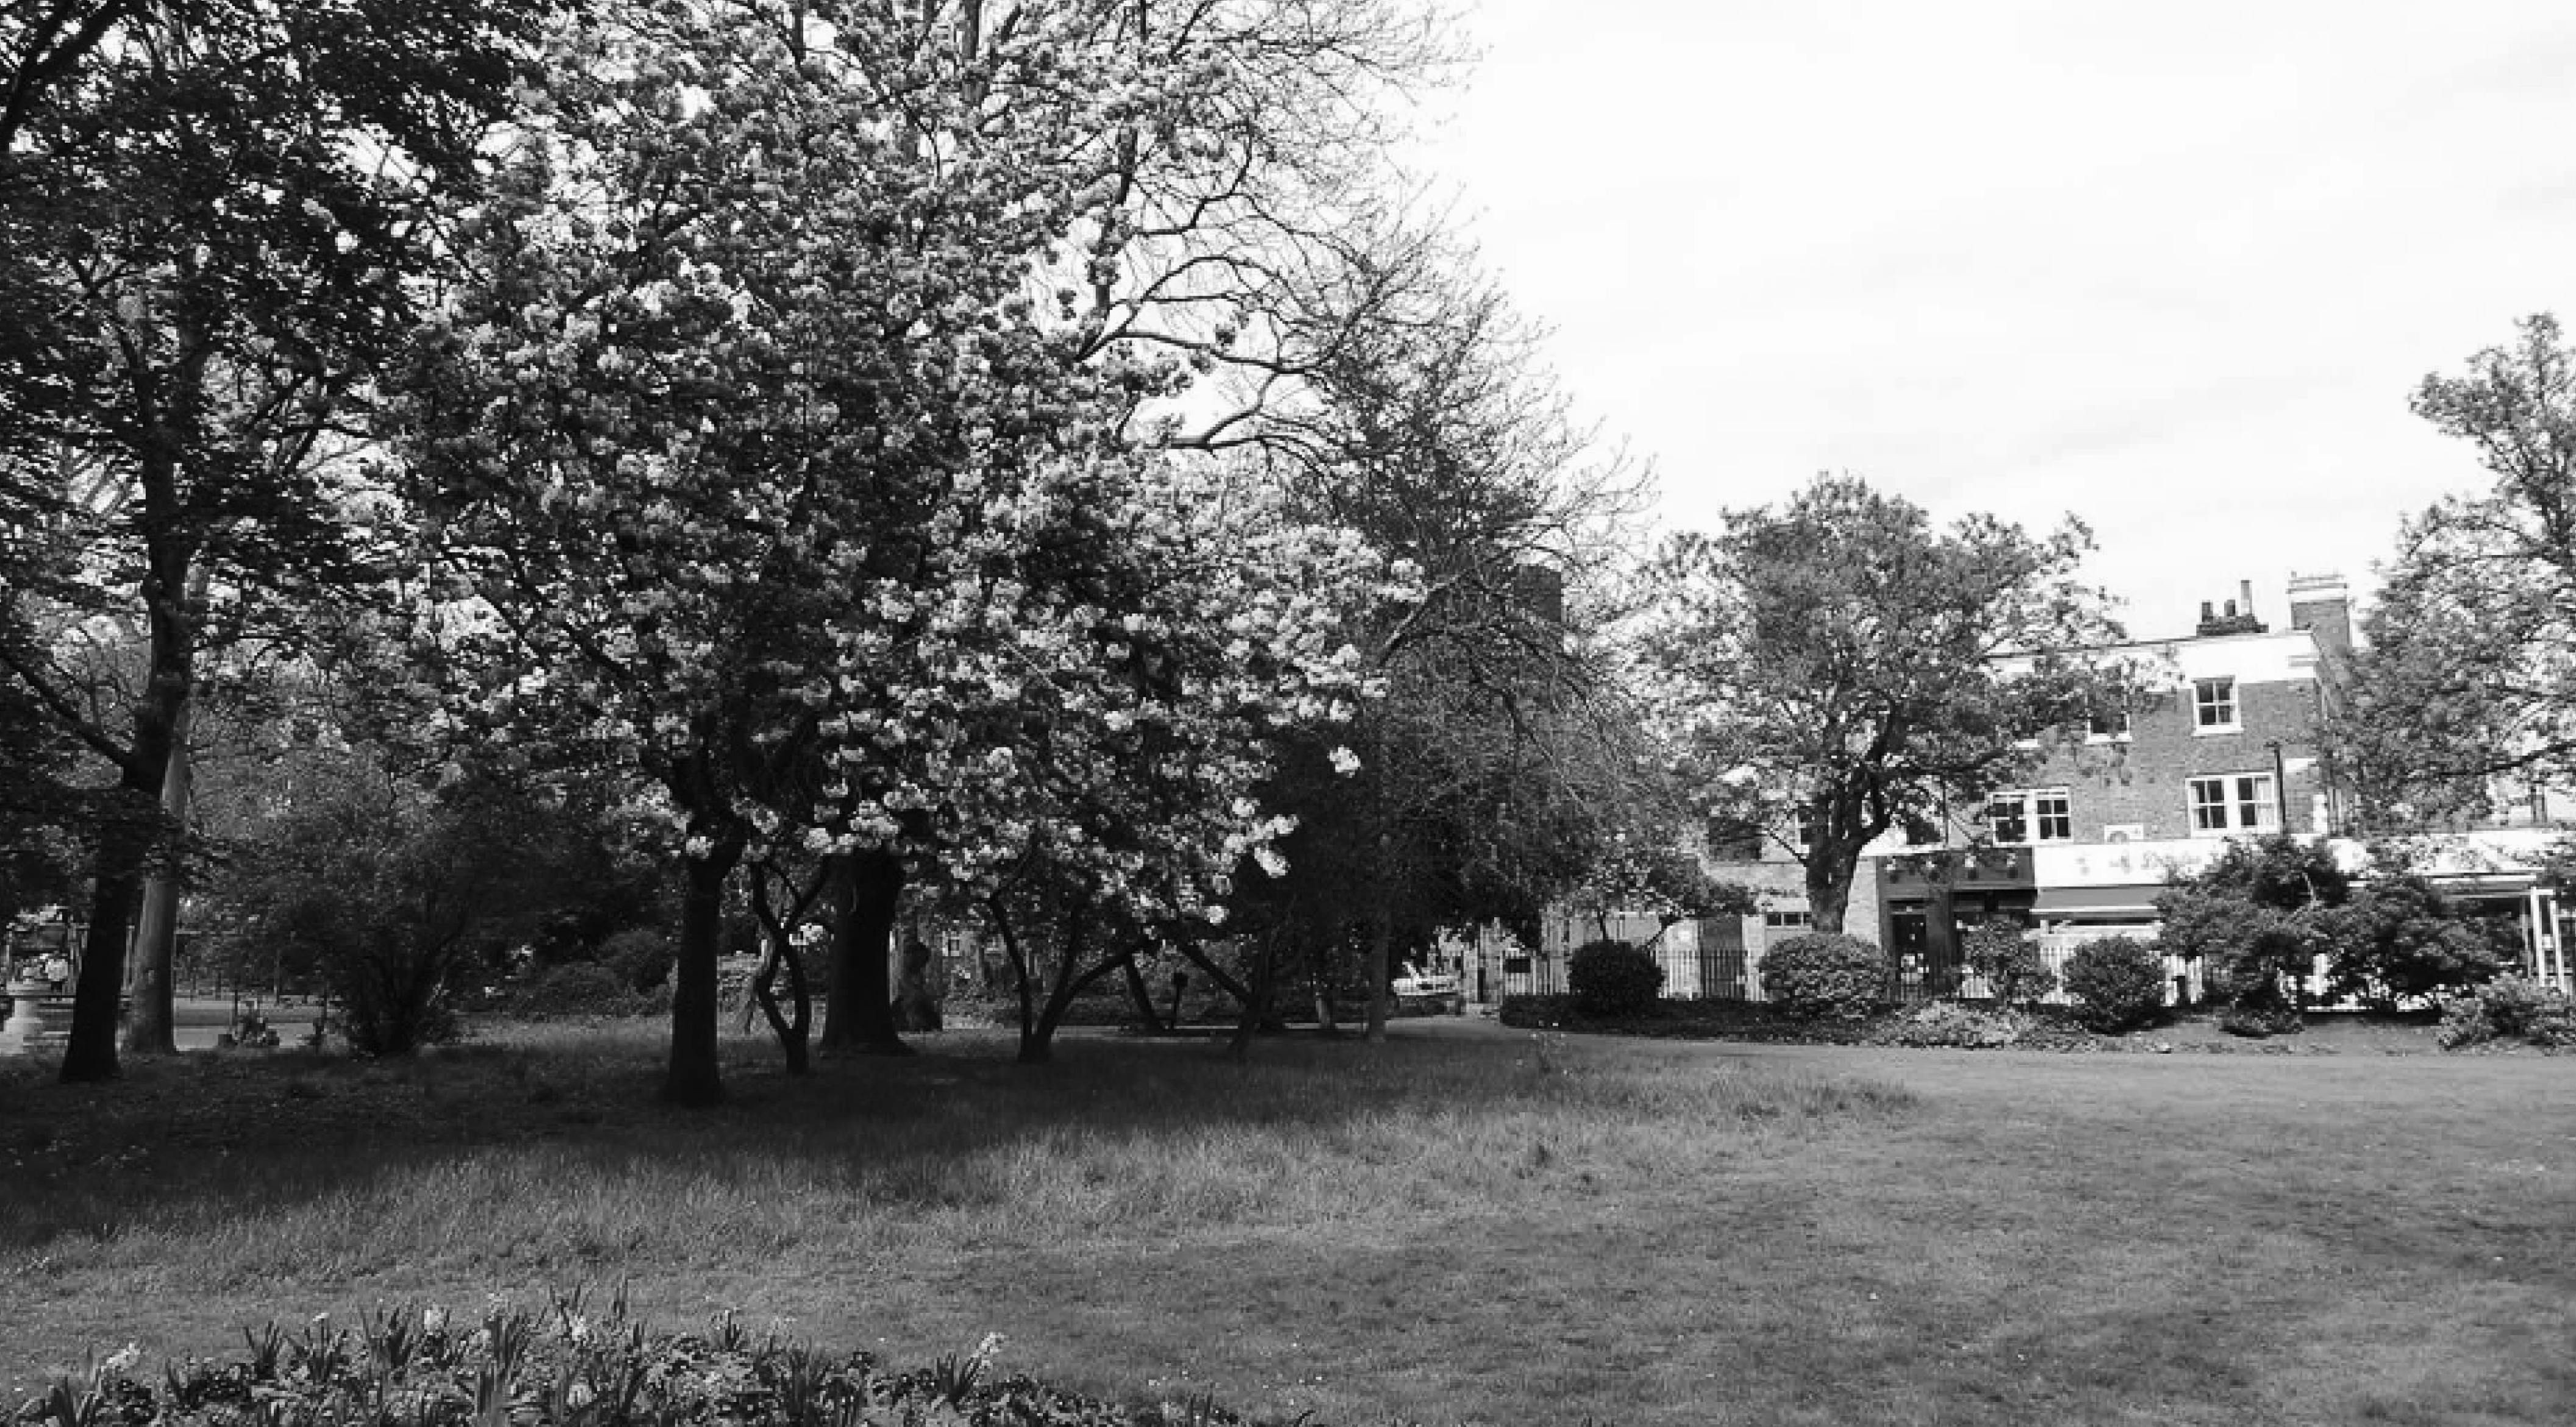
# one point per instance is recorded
(2174, 268)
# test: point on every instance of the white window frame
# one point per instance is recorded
(2220, 693)
(2034, 822)
(2246, 802)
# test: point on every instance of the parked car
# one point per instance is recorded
(1428, 992)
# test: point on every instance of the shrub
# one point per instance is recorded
(1611, 980)
(640, 958)
(1998, 950)
(2118, 983)
(1824, 975)
(2399, 939)
(1951, 1023)
(578, 988)
(2508, 1008)
(2256, 1019)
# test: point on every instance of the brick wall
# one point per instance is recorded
(2143, 782)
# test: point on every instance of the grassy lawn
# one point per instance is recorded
(1465, 1225)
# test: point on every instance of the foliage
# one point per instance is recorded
(387, 891)
(2400, 939)
(215, 222)
(1613, 979)
(575, 989)
(2256, 1018)
(1501, 767)
(2278, 870)
(2509, 1008)
(2267, 909)
(2002, 952)
(1825, 975)
(2118, 983)
(890, 576)
(2462, 690)
(2258, 917)
(1953, 1023)
(570, 1363)
(1840, 664)
(639, 957)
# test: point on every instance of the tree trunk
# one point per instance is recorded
(1256, 1007)
(858, 1010)
(151, 1027)
(117, 866)
(1198, 958)
(695, 1076)
(1381, 973)
(1829, 882)
(1037, 1038)
(1144, 998)
(794, 1034)
(1319, 964)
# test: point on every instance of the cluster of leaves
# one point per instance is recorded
(416, 1367)
(2001, 952)
(2509, 1008)
(2118, 983)
(1825, 976)
(1612, 979)
(2269, 911)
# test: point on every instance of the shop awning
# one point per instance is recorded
(2134, 901)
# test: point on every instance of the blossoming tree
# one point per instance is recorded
(755, 449)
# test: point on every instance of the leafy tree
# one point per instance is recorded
(2400, 938)
(213, 217)
(1841, 666)
(748, 432)
(1502, 760)
(2258, 916)
(2464, 684)
(390, 891)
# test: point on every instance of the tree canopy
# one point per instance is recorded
(1839, 668)
(2465, 685)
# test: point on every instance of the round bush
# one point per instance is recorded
(1611, 979)
(1824, 975)
(641, 958)
(2118, 983)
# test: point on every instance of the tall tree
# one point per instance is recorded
(2465, 682)
(768, 469)
(1493, 768)
(1841, 664)
(211, 219)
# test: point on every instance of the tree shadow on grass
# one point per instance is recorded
(180, 1147)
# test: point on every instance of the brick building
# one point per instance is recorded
(2222, 745)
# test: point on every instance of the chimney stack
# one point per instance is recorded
(2235, 618)
(2322, 605)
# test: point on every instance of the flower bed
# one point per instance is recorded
(418, 1367)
